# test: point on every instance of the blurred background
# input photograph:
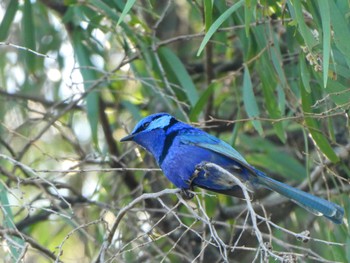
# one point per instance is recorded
(271, 78)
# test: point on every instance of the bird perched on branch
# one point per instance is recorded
(182, 152)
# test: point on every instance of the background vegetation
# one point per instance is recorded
(269, 77)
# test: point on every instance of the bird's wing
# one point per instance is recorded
(218, 182)
(204, 140)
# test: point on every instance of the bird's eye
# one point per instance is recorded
(145, 125)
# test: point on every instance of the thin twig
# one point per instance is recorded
(253, 215)
(156, 56)
(109, 237)
(13, 232)
(31, 171)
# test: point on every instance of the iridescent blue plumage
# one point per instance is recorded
(180, 150)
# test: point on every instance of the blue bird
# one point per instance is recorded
(182, 151)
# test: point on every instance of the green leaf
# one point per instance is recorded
(249, 100)
(181, 74)
(129, 4)
(305, 74)
(348, 245)
(277, 62)
(270, 156)
(267, 72)
(305, 32)
(279, 163)
(29, 35)
(8, 18)
(326, 28)
(340, 29)
(8, 221)
(339, 93)
(340, 70)
(108, 10)
(202, 102)
(314, 128)
(218, 22)
(135, 111)
(89, 76)
(269, 82)
(208, 13)
(281, 98)
(273, 110)
(249, 10)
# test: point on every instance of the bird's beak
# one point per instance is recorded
(127, 138)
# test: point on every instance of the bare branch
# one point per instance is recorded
(13, 232)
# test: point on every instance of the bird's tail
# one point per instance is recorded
(315, 205)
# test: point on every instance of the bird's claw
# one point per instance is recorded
(187, 194)
(199, 168)
(202, 166)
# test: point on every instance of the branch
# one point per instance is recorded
(32, 172)
(154, 47)
(71, 105)
(253, 215)
(109, 236)
(129, 178)
(36, 98)
(13, 232)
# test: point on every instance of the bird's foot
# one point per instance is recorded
(187, 194)
(202, 166)
(199, 168)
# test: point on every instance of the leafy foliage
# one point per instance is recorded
(270, 78)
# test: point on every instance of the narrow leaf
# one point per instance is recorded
(8, 18)
(129, 4)
(269, 82)
(305, 74)
(29, 35)
(305, 32)
(326, 28)
(249, 100)
(202, 102)
(208, 13)
(134, 110)
(218, 22)
(348, 245)
(89, 76)
(279, 163)
(314, 128)
(181, 74)
(8, 221)
(281, 98)
(107, 9)
(249, 10)
(341, 29)
(273, 110)
(277, 62)
(339, 93)
(269, 155)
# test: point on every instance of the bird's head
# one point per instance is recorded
(150, 123)
(150, 132)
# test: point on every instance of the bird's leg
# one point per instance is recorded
(199, 168)
(185, 193)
